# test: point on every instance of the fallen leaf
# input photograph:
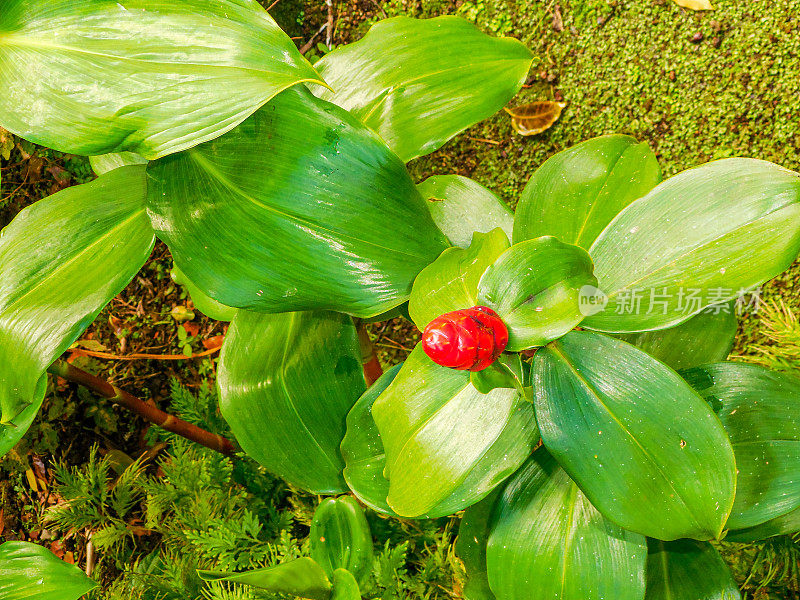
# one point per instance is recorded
(534, 118)
(89, 345)
(695, 4)
(57, 548)
(191, 329)
(181, 314)
(31, 480)
(69, 557)
(213, 342)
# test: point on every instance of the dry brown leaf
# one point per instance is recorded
(695, 4)
(534, 118)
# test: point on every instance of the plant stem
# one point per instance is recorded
(372, 366)
(146, 411)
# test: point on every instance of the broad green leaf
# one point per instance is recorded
(286, 384)
(62, 259)
(702, 237)
(345, 586)
(788, 523)
(760, 410)
(705, 338)
(341, 538)
(448, 445)
(577, 192)
(11, 433)
(108, 162)
(451, 281)
(547, 541)
(205, 304)
(686, 569)
(470, 547)
(362, 449)
(642, 445)
(301, 577)
(30, 571)
(300, 207)
(420, 82)
(536, 288)
(92, 77)
(460, 207)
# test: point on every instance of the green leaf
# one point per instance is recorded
(300, 207)
(536, 288)
(92, 77)
(362, 449)
(301, 577)
(471, 547)
(705, 338)
(577, 192)
(286, 384)
(451, 281)
(508, 371)
(643, 446)
(420, 82)
(547, 541)
(108, 162)
(62, 260)
(341, 538)
(13, 431)
(702, 237)
(31, 571)
(345, 586)
(448, 445)
(760, 411)
(687, 569)
(788, 523)
(205, 304)
(460, 207)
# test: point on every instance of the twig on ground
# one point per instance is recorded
(154, 415)
(307, 46)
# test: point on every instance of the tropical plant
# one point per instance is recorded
(595, 320)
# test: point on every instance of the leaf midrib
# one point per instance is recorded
(63, 265)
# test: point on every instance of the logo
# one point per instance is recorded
(591, 300)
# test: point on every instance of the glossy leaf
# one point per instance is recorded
(788, 523)
(705, 338)
(108, 162)
(420, 82)
(448, 445)
(577, 192)
(362, 449)
(163, 77)
(301, 577)
(470, 547)
(700, 238)
(31, 571)
(535, 287)
(341, 538)
(331, 216)
(508, 371)
(687, 569)
(345, 586)
(12, 432)
(205, 304)
(547, 541)
(460, 207)
(286, 385)
(451, 281)
(760, 411)
(536, 117)
(62, 260)
(643, 446)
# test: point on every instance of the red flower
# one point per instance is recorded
(469, 340)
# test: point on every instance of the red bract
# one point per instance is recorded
(469, 340)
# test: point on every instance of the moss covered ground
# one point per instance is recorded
(696, 86)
